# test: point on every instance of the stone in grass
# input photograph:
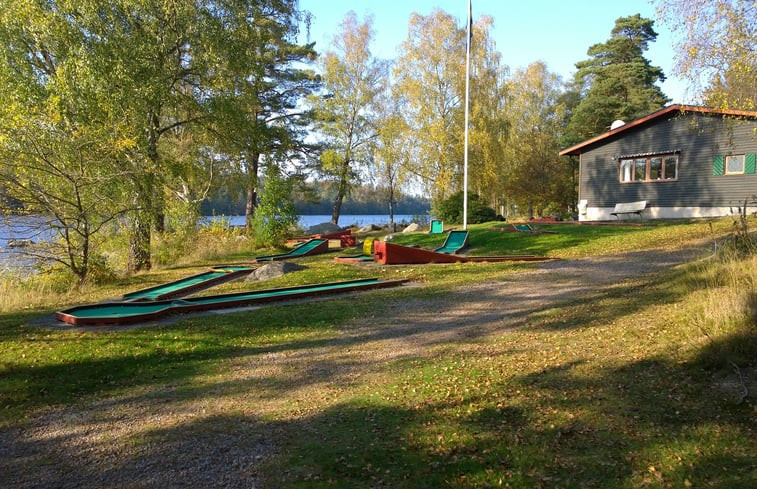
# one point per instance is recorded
(412, 228)
(369, 228)
(323, 228)
(273, 270)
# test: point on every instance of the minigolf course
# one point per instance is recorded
(189, 285)
(123, 313)
(344, 236)
(394, 254)
(308, 248)
(366, 257)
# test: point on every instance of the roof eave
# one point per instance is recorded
(577, 149)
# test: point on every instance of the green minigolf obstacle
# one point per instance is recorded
(437, 227)
(456, 241)
(312, 247)
(526, 228)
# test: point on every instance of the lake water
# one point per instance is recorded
(307, 221)
(16, 230)
(20, 228)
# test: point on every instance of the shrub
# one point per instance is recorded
(275, 215)
(451, 210)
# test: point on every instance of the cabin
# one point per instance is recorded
(678, 162)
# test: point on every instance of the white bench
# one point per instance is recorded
(629, 208)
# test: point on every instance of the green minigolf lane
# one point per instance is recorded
(276, 292)
(211, 276)
(365, 258)
(455, 241)
(231, 268)
(354, 258)
(156, 292)
(301, 250)
(123, 310)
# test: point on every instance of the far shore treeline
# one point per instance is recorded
(319, 200)
(364, 200)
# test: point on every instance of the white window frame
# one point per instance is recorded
(730, 158)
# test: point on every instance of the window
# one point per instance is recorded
(625, 170)
(655, 168)
(652, 168)
(734, 164)
(640, 169)
(744, 164)
(671, 167)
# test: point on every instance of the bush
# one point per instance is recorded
(99, 270)
(450, 210)
(275, 215)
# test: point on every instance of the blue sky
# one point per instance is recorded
(558, 32)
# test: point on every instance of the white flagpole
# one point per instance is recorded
(465, 157)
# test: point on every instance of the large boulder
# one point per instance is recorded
(323, 228)
(413, 227)
(369, 228)
(273, 270)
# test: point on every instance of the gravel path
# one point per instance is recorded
(210, 432)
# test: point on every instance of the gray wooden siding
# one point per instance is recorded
(699, 137)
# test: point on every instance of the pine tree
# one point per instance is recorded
(617, 81)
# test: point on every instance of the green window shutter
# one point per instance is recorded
(717, 165)
(749, 163)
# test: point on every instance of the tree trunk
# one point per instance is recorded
(252, 191)
(141, 223)
(147, 213)
(337, 209)
(139, 243)
(391, 209)
(159, 217)
(78, 256)
(341, 192)
(155, 192)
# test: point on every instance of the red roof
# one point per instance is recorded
(581, 147)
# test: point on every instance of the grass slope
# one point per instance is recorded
(618, 392)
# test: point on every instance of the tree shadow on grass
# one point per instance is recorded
(646, 423)
(562, 426)
(137, 358)
(649, 422)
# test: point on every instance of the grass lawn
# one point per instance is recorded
(618, 392)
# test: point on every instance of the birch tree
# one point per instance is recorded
(536, 177)
(390, 153)
(345, 115)
(430, 82)
(489, 124)
(145, 68)
(61, 151)
(717, 48)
